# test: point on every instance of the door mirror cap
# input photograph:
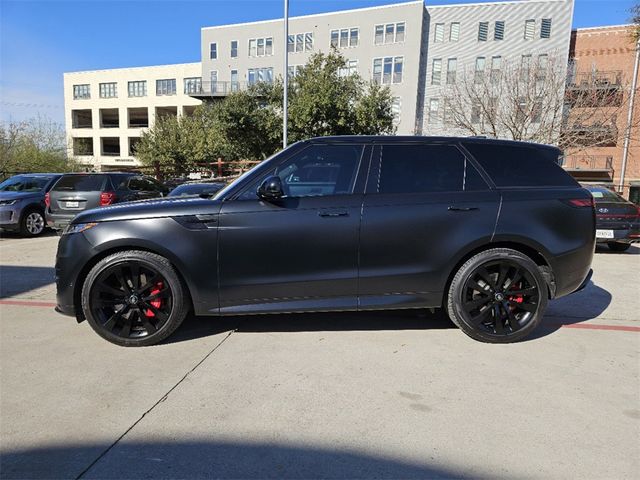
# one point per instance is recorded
(271, 189)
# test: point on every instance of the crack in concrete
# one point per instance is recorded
(161, 400)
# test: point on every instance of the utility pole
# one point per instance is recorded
(627, 131)
(286, 74)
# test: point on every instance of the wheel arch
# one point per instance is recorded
(526, 249)
(110, 250)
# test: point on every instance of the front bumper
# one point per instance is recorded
(74, 254)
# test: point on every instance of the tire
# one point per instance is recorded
(504, 308)
(134, 298)
(618, 246)
(32, 223)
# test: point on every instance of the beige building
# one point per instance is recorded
(107, 110)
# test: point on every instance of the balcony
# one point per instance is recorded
(594, 89)
(598, 80)
(589, 167)
(215, 89)
(596, 135)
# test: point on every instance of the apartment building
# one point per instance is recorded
(412, 48)
(107, 110)
(602, 65)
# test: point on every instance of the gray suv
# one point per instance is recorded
(22, 202)
(76, 192)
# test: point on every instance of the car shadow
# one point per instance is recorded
(10, 234)
(15, 280)
(585, 305)
(197, 327)
(204, 458)
(633, 250)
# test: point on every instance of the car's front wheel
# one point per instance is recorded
(134, 298)
(32, 223)
(498, 296)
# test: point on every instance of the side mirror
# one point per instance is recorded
(271, 189)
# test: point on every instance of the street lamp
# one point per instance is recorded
(286, 73)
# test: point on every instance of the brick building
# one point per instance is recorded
(602, 60)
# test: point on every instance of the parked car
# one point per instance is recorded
(489, 230)
(200, 188)
(22, 202)
(76, 192)
(617, 219)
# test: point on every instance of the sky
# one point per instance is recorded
(42, 39)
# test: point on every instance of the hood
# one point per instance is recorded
(157, 208)
(19, 195)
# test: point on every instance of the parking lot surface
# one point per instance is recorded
(348, 395)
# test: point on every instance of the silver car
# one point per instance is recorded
(22, 202)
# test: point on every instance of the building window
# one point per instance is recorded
(294, 70)
(454, 32)
(436, 71)
(448, 112)
(260, 47)
(389, 33)
(166, 87)
(525, 67)
(438, 35)
(452, 66)
(350, 68)
(81, 92)
(529, 28)
(478, 75)
(235, 85)
(308, 41)
(400, 28)
(302, 42)
(498, 31)
(137, 88)
(346, 37)
(109, 90)
(213, 51)
(193, 85)
(396, 109)
(476, 112)
(536, 111)
(234, 48)
(545, 28)
(483, 31)
(259, 75)
(213, 77)
(543, 66)
(496, 65)
(388, 70)
(434, 110)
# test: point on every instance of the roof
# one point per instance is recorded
(417, 138)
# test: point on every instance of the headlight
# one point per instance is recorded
(7, 202)
(78, 227)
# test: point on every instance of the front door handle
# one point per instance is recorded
(461, 209)
(333, 213)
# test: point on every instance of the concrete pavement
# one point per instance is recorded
(371, 395)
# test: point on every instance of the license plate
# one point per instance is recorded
(72, 204)
(604, 233)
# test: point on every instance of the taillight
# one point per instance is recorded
(107, 198)
(581, 202)
(47, 200)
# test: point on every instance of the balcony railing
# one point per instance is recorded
(603, 163)
(598, 80)
(215, 89)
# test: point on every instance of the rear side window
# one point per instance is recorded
(521, 166)
(81, 183)
(425, 169)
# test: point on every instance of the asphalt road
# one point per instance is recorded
(372, 395)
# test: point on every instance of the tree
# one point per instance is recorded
(537, 103)
(635, 19)
(36, 145)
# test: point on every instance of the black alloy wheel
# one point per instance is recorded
(500, 296)
(133, 298)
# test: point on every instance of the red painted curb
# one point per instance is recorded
(621, 328)
(27, 303)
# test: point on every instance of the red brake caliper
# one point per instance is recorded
(516, 298)
(157, 302)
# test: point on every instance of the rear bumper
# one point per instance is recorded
(58, 221)
(626, 235)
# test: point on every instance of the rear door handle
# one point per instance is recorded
(333, 213)
(461, 209)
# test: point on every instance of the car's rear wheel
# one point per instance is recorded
(134, 298)
(498, 296)
(32, 223)
(618, 246)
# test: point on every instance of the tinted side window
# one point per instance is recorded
(81, 183)
(142, 184)
(521, 166)
(321, 170)
(426, 168)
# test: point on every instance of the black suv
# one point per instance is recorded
(76, 192)
(489, 230)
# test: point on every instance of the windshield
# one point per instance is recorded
(606, 195)
(81, 183)
(23, 183)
